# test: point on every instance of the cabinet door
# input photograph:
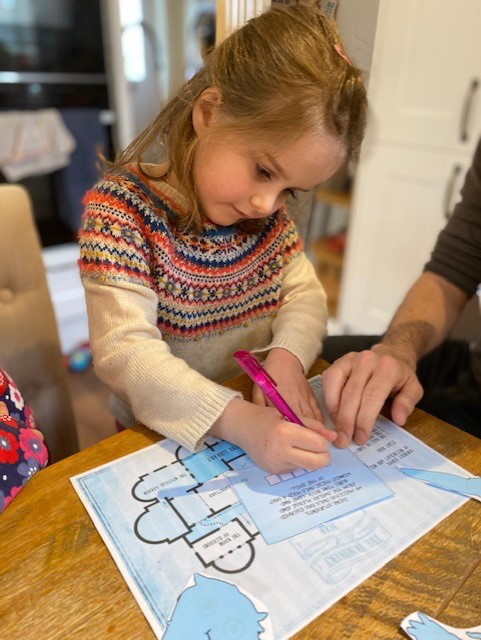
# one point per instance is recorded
(401, 201)
(425, 84)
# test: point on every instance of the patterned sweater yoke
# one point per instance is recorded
(207, 283)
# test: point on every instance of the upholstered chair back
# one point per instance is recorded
(29, 342)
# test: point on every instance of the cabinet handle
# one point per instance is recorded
(448, 196)
(467, 109)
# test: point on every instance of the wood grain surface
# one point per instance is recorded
(58, 581)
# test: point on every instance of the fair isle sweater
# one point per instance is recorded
(168, 307)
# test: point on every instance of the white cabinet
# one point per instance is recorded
(426, 71)
(400, 204)
(67, 294)
(424, 125)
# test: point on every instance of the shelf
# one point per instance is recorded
(328, 265)
(333, 198)
(325, 256)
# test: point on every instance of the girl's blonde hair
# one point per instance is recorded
(280, 76)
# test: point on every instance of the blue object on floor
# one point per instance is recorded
(79, 359)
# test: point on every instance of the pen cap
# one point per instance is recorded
(253, 368)
(268, 385)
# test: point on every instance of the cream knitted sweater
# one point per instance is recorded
(167, 307)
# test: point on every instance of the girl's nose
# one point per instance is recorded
(265, 203)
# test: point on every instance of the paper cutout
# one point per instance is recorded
(420, 626)
(457, 484)
(287, 504)
(213, 609)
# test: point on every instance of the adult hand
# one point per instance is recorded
(357, 385)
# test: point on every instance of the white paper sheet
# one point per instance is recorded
(166, 520)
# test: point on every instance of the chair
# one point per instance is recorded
(29, 342)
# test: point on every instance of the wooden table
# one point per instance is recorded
(57, 579)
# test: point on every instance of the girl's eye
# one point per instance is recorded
(263, 173)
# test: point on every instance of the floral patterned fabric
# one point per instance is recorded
(22, 450)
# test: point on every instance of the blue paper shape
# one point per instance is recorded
(213, 609)
(429, 629)
(287, 504)
(447, 481)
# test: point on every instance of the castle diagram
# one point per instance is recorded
(189, 500)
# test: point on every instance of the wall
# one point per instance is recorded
(356, 22)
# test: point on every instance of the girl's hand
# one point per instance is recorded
(287, 371)
(271, 442)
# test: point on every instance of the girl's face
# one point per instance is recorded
(238, 181)
(235, 182)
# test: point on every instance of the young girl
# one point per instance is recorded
(190, 258)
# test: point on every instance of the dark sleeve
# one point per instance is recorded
(457, 253)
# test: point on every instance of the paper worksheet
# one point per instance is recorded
(194, 535)
(284, 505)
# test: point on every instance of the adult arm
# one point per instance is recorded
(424, 319)
(357, 385)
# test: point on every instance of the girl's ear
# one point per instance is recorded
(205, 108)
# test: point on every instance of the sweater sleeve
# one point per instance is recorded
(301, 321)
(457, 253)
(129, 355)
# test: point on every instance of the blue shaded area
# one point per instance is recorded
(214, 610)
(213, 523)
(428, 629)
(447, 481)
(209, 463)
(191, 507)
(293, 504)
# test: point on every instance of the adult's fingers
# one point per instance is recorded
(334, 378)
(406, 399)
(362, 366)
(315, 409)
(388, 376)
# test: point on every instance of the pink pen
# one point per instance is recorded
(267, 385)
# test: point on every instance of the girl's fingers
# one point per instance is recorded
(319, 428)
(313, 436)
(315, 409)
(309, 460)
(258, 397)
